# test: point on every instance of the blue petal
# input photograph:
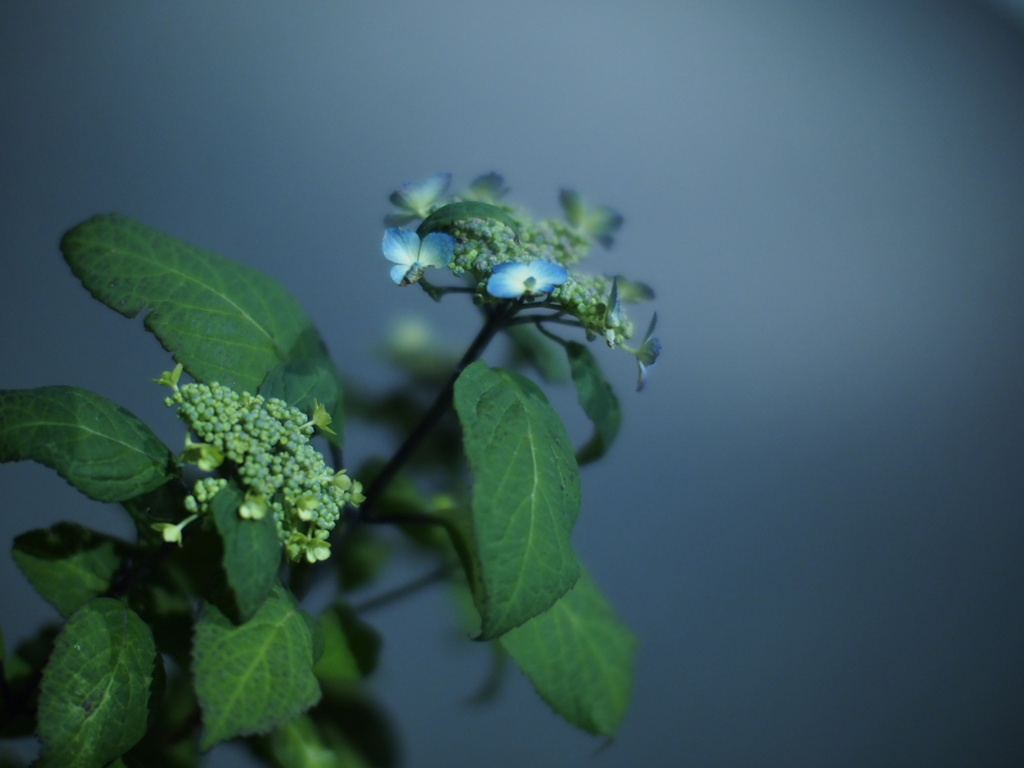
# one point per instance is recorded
(548, 275)
(514, 278)
(419, 196)
(400, 271)
(437, 250)
(401, 246)
(508, 281)
(597, 222)
(488, 188)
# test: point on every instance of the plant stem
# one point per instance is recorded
(496, 320)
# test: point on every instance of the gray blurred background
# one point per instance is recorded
(813, 518)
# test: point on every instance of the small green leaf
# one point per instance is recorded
(95, 690)
(302, 383)
(68, 564)
(253, 677)
(598, 400)
(96, 445)
(526, 497)
(252, 553)
(579, 657)
(447, 214)
(223, 321)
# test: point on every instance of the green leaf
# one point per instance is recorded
(252, 553)
(223, 321)
(526, 497)
(95, 690)
(163, 504)
(448, 214)
(598, 400)
(351, 648)
(253, 677)
(579, 656)
(96, 445)
(68, 564)
(302, 383)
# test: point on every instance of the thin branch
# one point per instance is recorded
(431, 577)
(496, 320)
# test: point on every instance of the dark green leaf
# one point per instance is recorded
(526, 497)
(94, 695)
(579, 657)
(252, 553)
(303, 383)
(597, 398)
(163, 504)
(448, 214)
(253, 677)
(223, 321)
(22, 670)
(95, 444)
(68, 564)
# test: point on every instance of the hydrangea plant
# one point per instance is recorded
(196, 631)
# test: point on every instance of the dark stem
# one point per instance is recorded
(431, 577)
(496, 320)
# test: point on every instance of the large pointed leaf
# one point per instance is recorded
(95, 444)
(252, 677)
(579, 657)
(94, 694)
(222, 320)
(526, 497)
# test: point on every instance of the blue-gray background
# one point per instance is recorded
(813, 518)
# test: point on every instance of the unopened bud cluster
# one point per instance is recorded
(483, 244)
(263, 443)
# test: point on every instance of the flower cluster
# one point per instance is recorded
(505, 255)
(263, 444)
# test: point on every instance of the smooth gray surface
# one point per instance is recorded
(813, 516)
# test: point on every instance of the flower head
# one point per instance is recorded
(415, 199)
(515, 279)
(411, 256)
(648, 353)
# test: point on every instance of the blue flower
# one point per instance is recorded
(488, 188)
(411, 257)
(415, 199)
(648, 353)
(597, 222)
(514, 279)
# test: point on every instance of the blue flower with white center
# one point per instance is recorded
(415, 199)
(514, 279)
(648, 353)
(411, 256)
